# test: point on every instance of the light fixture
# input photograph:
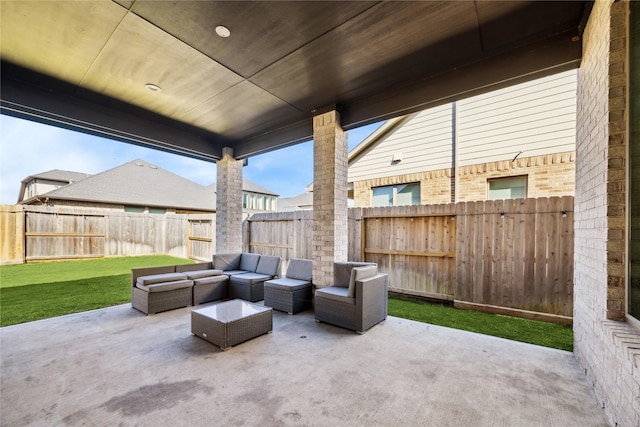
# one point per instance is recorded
(223, 31)
(153, 88)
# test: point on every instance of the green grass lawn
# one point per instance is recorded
(39, 291)
(513, 328)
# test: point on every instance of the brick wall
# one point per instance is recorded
(330, 228)
(229, 203)
(607, 347)
(549, 175)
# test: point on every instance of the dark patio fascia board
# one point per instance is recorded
(560, 53)
(95, 114)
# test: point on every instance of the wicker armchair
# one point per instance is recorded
(357, 300)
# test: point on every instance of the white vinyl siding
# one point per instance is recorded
(535, 118)
(424, 142)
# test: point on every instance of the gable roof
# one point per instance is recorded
(139, 183)
(252, 187)
(301, 201)
(136, 183)
(58, 175)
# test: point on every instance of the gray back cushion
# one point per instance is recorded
(269, 264)
(359, 274)
(249, 262)
(342, 272)
(301, 269)
(229, 261)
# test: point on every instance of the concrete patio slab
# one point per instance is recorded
(116, 366)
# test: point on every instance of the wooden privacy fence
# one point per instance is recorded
(500, 256)
(506, 256)
(36, 233)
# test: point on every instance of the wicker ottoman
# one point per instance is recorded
(231, 322)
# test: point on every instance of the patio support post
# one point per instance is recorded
(228, 203)
(330, 227)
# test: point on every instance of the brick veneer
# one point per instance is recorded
(229, 203)
(548, 175)
(330, 227)
(605, 345)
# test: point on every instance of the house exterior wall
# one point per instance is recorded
(424, 141)
(533, 118)
(38, 186)
(547, 175)
(526, 129)
(604, 344)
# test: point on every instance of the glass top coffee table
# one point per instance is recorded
(231, 322)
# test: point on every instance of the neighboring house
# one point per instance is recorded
(44, 182)
(511, 143)
(138, 186)
(301, 202)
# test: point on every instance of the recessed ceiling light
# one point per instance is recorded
(223, 31)
(153, 88)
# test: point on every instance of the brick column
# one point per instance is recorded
(330, 227)
(229, 203)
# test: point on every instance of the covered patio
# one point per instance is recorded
(159, 74)
(116, 366)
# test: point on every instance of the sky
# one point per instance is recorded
(28, 148)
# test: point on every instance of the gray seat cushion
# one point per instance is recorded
(211, 279)
(301, 269)
(234, 272)
(287, 284)
(335, 293)
(250, 278)
(202, 273)
(166, 286)
(268, 264)
(159, 278)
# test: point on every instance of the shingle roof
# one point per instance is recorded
(255, 188)
(138, 183)
(301, 201)
(59, 175)
(142, 184)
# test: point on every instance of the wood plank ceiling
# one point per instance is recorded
(85, 64)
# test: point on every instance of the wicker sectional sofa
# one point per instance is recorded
(247, 273)
(156, 289)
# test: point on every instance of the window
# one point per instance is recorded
(157, 211)
(396, 195)
(513, 187)
(136, 209)
(633, 293)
